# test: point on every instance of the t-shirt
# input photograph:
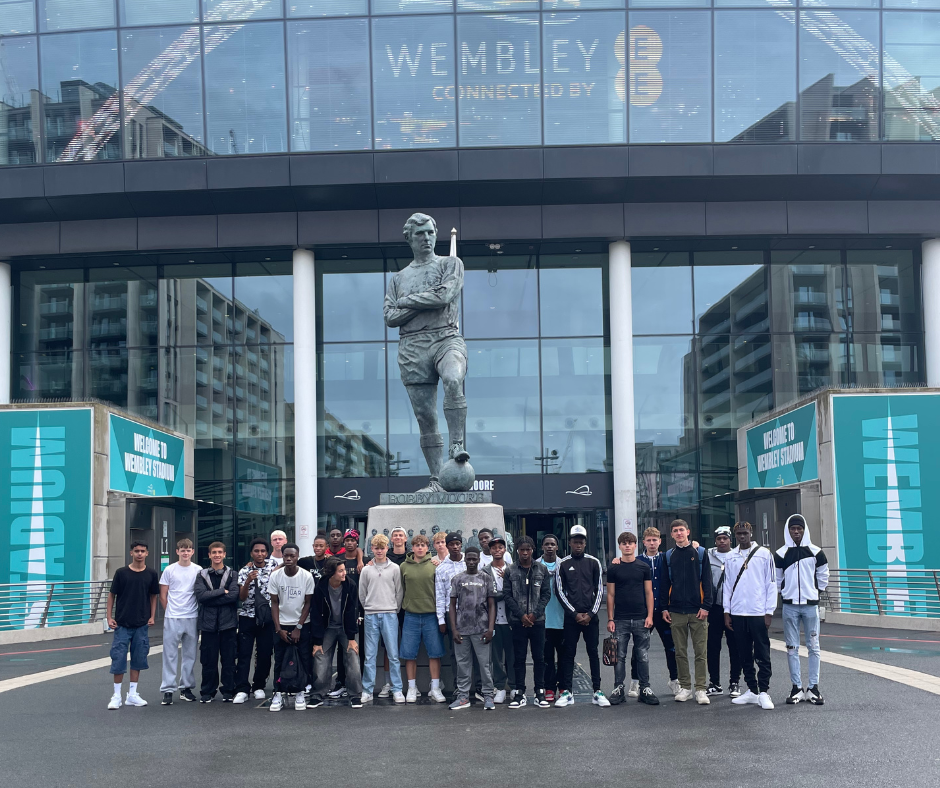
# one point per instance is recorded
(395, 558)
(554, 612)
(290, 593)
(277, 561)
(264, 577)
(471, 593)
(717, 561)
(180, 599)
(352, 573)
(133, 591)
(314, 567)
(629, 592)
(501, 606)
(486, 560)
(336, 607)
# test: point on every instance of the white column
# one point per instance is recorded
(6, 321)
(931, 286)
(621, 387)
(305, 399)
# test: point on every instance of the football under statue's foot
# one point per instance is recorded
(433, 486)
(458, 453)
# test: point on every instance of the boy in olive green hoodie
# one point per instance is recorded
(417, 579)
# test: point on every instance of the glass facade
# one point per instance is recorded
(166, 78)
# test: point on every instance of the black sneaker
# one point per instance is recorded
(355, 701)
(734, 690)
(714, 689)
(227, 698)
(795, 696)
(648, 697)
(187, 695)
(813, 696)
(206, 699)
(313, 701)
(617, 696)
(540, 699)
(167, 699)
(479, 695)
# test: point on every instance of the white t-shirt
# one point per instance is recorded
(500, 606)
(180, 600)
(290, 594)
(486, 560)
(277, 560)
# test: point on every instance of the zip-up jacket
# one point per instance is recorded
(750, 590)
(527, 591)
(802, 569)
(658, 565)
(442, 576)
(218, 607)
(580, 584)
(686, 584)
(320, 610)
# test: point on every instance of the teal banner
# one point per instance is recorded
(45, 517)
(886, 447)
(783, 450)
(257, 487)
(146, 461)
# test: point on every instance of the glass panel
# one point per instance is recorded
(757, 3)
(51, 312)
(327, 7)
(669, 4)
(351, 422)
(499, 80)
(911, 76)
(849, 3)
(755, 76)
(215, 410)
(503, 424)
(883, 291)
(406, 458)
(911, 3)
(162, 93)
(808, 291)
(196, 305)
(19, 100)
(75, 14)
(886, 360)
(575, 407)
(216, 522)
(584, 74)
(572, 298)
(670, 77)
(158, 12)
(224, 10)
(330, 102)
(79, 82)
(806, 362)
(580, 5)
(351, 302)
(245, 104)
(264, 408)
(185, 390)
(500, 301)
(122, 307)
(264, 303)
(49, 375)
(652, 275)
(730, 292)
(413, 82)
(17, 16)
(497, 5)
(839, 75)
(664, 396)
(411, 6)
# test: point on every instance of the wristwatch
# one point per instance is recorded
(299, 626)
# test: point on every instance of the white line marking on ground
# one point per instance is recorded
(60, 673)
(910, 678)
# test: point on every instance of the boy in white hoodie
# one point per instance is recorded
(750, 598)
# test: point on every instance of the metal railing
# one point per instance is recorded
(37, 605)
(884, 592)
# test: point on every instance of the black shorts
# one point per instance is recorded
(420, 353)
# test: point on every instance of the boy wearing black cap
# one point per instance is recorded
(472, 617)
(717, 631)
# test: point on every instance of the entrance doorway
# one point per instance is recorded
(536, 525)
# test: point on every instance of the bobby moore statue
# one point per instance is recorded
(422, 300)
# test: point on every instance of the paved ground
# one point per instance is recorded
(871, 732)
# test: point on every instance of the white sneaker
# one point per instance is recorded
(276, 702)
(398, 697)
(366, 697)
(500, 696)
(133, 699)
(683, 695)
(634, 691)
(437, 696)
(300, 702)
(747, 697)
(764, 701)
(412, 696)
(259, 694)
(701, 698)
(240, 697)
(564, 699)
(674, 686)
(115, 702)
(600, 699)
(386, 691)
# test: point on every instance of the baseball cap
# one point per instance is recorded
(497, 538)
(453, 536)
(578, 530)
(351, 534)
(723, 529)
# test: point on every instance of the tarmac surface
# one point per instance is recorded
(871, 732)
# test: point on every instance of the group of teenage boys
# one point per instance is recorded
(488, 612)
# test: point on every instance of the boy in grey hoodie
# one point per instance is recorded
(380, 594)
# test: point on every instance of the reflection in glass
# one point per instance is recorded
(653, 274)
(48, 375)
(500, 301)
(498, 77)
(79, 83)
(839, 92)
(19, 100)
(245, 102)
(299, 8)
(572, 299)
(167, 123)
(575, 406)
(503, 425)
(808, 291)
(806, 362)
(17, 16)
(264, 303)
(755, 76)
(583, 59)
(669, 4)
(882, 288)
(580, 5)
(75, 14)
(663, 390)
(196, 309)
(730, 292)
(352, 422)
(411, 6)
(158, 12)
(51, 312)
(122, 307)
(670, 77)
(911, 76)
(351, 304)
(406, 457)
(330, 102)
(497, 5)
(885, 360)
(264, 415)
(225, 10)
(413, 82)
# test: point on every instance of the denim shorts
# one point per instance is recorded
(134, 639)
(416, 627)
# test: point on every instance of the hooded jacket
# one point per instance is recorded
(802, 569)
(417, 578)
(320, 610)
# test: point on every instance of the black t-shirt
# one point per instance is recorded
(133, 591)
(396, 559)
(629, 592)
(314, 567)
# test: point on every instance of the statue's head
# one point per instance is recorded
(421, 233)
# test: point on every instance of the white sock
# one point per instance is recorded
(132, 688)
(435, 684)
(411, 684)
(117, 688)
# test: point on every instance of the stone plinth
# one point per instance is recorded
(465, 519)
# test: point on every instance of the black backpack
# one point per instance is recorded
(293, 677)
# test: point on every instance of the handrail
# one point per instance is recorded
(38, 605)
(884, 592)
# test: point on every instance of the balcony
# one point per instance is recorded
(813, 355)
(201, 306)
(55, 332)
(811, 323)
(201, 402)
(104, 330)
(202, 378)
(810, 297)
(56, 308)
(148, 327)
(149, 383)
(202, 329)
(890, 323)
(890, 299)
(104, 303)
(218, 409)
(148, 300)
(217, 316)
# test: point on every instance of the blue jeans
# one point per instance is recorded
(133, 639)
(386, 625)
(418, 627)
(793, 617)
(624, 628)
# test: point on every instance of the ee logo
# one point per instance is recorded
(646, 81)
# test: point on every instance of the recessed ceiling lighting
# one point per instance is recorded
(267, 259)
(345, 256)
(656, 249)
(734, 247)
(42, 266)
(577, 250)
(812, 247)
(192, 261)
(117, 263)
(887, 247)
